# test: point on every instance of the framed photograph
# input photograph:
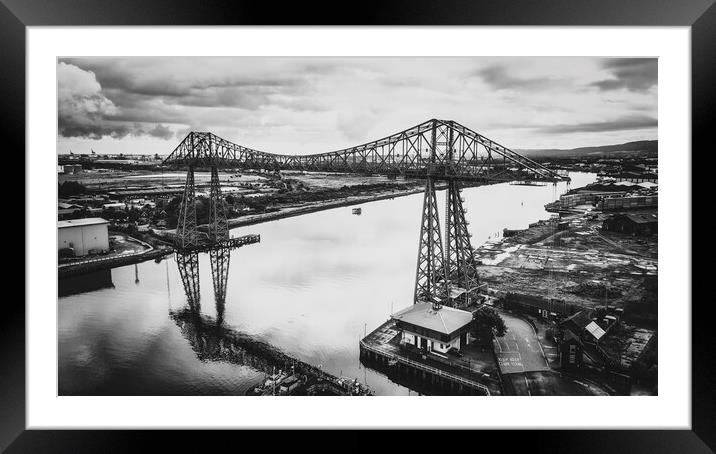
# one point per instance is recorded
(477, 218)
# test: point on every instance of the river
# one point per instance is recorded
(311, 288)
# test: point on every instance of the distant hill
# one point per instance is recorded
(641, 147)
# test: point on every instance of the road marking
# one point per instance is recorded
(527, 385)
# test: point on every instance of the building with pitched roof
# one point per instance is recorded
(583, 326)
(633, 223)
(425, 327)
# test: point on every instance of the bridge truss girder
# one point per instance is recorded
(410, 153)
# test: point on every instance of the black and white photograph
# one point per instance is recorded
(357, 226)
(243, 218)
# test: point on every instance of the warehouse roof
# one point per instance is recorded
(445, 320)
(80, 222)
(580, 319)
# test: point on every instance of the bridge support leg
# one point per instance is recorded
(219, 259)
(218, 223)
(460, 257)
(188, 264)
(186, 233)
(430, 273)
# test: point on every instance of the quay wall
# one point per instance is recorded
(429, 380)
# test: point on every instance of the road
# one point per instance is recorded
(519, 350)
(523, 363)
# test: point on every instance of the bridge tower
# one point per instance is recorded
(187, 235)
(218, 223)
(459, 256)
(430, 275)
(438, 272)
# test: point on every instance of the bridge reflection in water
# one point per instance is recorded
(212, 340)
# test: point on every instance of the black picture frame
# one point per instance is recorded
(16, 15)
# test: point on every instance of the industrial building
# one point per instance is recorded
(69, 168)
(634, 177)
(431, 329)
(627, 203)
(83, 236)
(633, 223)
(583, 326)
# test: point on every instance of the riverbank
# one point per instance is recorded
(319, 206)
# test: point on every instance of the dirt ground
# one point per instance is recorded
(111, 179)
(579, 264)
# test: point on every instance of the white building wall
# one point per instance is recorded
(83, 238)
(409, 338)
(439, 346)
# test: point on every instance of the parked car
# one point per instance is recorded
(454, 352)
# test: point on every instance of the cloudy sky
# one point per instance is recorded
(310, 105)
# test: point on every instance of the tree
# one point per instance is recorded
(485, 322)
(70, 188)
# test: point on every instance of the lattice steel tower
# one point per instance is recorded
(430, 274)
(187, 235)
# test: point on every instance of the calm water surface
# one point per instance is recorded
(311, 287)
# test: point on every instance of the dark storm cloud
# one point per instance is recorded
(127, 83)
(159, 131)
(151, 78)
(498, 77)
(95, 131)
(634, 74)
(620, 124)
(180, 92)
(84, 110)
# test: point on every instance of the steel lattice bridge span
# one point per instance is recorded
(436, 150)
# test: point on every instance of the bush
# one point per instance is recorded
(486, 322)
